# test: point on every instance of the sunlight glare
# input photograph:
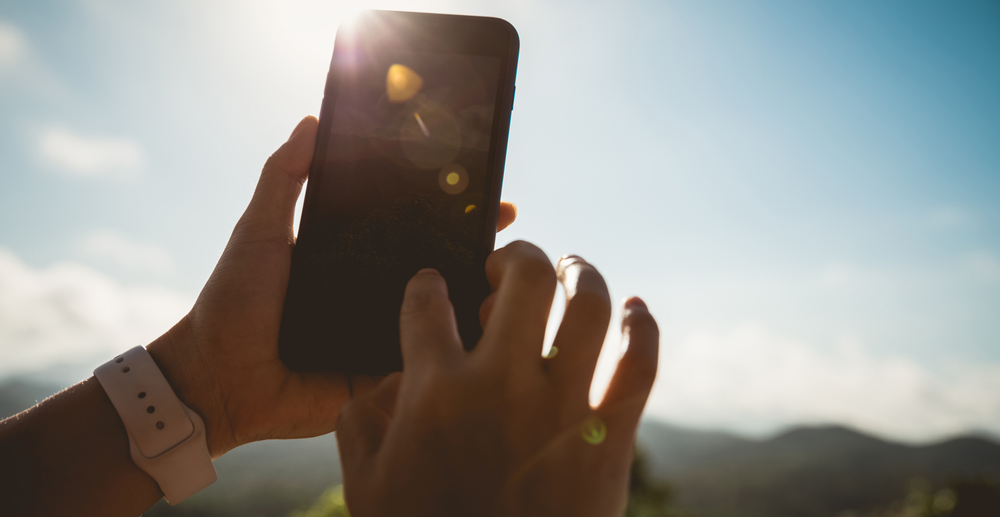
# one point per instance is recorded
(402, 83)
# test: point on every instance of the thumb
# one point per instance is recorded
(362, 423)
(272, 209)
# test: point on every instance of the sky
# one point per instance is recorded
(805, 194)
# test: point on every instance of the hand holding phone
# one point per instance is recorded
(222, 357)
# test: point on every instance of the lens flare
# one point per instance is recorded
(423, 127)
(430, 135)
(470, 208)
(453, 179)
(402, 83)
(593, 431)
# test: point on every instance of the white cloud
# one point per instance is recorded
(68, 314)
(753, 381)
(89, 157)
(110, 246)
(11, 45)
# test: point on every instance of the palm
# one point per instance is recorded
(236, 320)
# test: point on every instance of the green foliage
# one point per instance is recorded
(963, 497)
(330, 504)
(648, 497)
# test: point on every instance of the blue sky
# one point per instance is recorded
(805, 194)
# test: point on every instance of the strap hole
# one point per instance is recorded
(120, 359)
(126, 369)
(150, 409)
(159, 425)
(142, 394)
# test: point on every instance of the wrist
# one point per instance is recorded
(180, 359)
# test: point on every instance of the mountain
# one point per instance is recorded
(264, 479)
(806, 471)
(16, 395)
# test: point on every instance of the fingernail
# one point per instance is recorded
(634, 302)
(428, 270)
(570, 258)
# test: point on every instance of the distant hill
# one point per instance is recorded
(16, 395)
(264, 479)
(807, 471)
(804, 472)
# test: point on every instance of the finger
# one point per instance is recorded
(486, 308)
(362, 423)
(582, 331)
(427, 328)
(633, 378)
(272, 209)
(384, 393)
(361, 384)
(507, 214)
(524, 282)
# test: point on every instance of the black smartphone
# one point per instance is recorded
(406, 175)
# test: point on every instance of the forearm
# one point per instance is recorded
(70, 456)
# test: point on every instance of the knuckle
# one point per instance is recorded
(526, 249)
(275, 164)
(494, 264)
(646, 368)
(536, 270)
(642, 366)
(253, 229)
(422, 301)
(588, 285)
(347, 414)
(521, 246)
(595, 303)
(423, 304)
(279, 167)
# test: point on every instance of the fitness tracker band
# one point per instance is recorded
(166, 438)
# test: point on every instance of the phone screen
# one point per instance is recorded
(405, 185)
(407, 158)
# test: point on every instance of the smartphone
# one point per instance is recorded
(406, 175)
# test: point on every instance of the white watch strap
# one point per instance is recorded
(166, 438)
